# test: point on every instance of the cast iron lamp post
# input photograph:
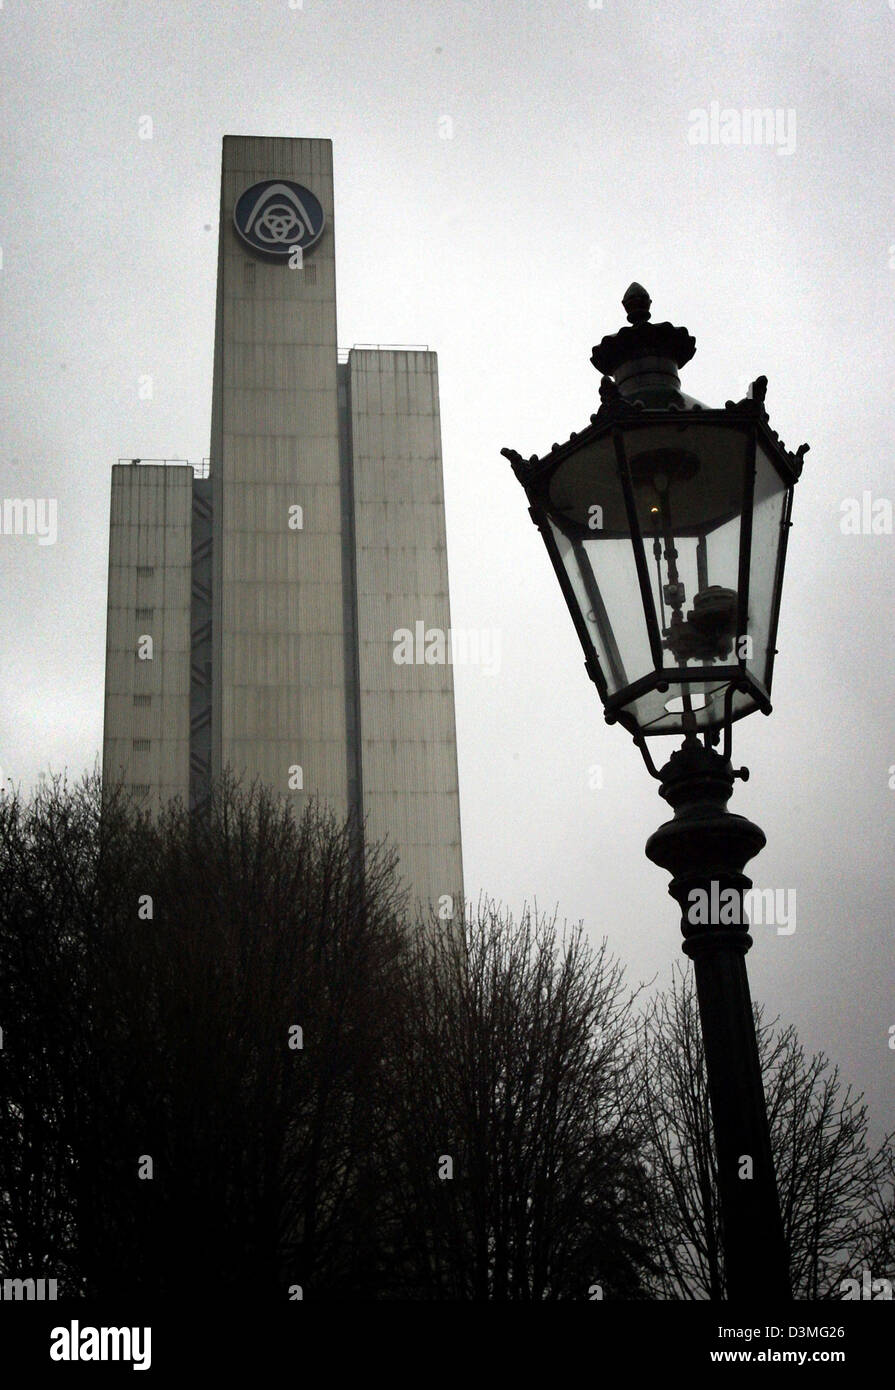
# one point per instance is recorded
(666, 522)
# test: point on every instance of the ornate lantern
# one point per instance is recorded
(666, 522)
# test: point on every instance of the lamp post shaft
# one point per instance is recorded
(705, 848)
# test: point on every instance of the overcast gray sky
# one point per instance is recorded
(504, 169)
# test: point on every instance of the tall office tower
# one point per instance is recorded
(254, 613)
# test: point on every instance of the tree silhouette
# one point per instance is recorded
(835, 1192)
(230, 1065)
(165, 1126)
(519, 1175)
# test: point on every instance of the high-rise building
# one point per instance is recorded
(253, 612)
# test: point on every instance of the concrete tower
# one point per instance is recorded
(272, 590)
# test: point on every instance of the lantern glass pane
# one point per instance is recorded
(689, 488)
(694, 592)
(602, 574)
(767, 537)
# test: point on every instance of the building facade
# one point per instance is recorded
(253, 613)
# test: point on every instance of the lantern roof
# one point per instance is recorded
(639, 382)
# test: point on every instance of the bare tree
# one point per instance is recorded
(50, 871)
(835, 1192)
(229, 1065)
(193, 1012)
(518, 1172)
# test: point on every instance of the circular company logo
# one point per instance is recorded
(274, 216)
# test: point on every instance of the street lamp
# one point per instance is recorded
(666, 523)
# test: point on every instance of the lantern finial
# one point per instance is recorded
(636, 304)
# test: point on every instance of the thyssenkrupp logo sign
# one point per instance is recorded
(276, 215)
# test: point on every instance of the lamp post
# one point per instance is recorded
(666, 523)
